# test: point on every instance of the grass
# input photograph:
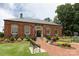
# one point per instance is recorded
(65, 39)
(17, 49)
(70, 39)
(61, 42)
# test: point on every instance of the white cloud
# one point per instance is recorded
(42, 10)
(3, 15)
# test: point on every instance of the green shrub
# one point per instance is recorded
(11, 39)
(48, 37)
(1, 34)
(27, 38)
(16, 37)
(56, 38)
(66, 45)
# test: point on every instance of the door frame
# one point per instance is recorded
(40, 28)
(37, 34)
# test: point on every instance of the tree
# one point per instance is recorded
(65, 15)
(76, 17)
(56, 20)
(48, 19)
(68, 15)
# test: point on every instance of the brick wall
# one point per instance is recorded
(7, 28)
(21, 29)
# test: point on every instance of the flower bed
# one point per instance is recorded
(63, 44)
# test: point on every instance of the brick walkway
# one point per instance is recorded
(58, 51)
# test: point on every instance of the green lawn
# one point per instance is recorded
(69, 39)
(17, 49)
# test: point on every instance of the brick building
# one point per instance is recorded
(32, 27)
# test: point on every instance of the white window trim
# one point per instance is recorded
(13, 33)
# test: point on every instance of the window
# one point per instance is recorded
(48, 31)
(14, 29)
(26, 30)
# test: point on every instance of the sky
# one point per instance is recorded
(33, 10)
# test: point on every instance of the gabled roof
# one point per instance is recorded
(32, 20)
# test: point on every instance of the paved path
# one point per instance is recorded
(58, 51)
